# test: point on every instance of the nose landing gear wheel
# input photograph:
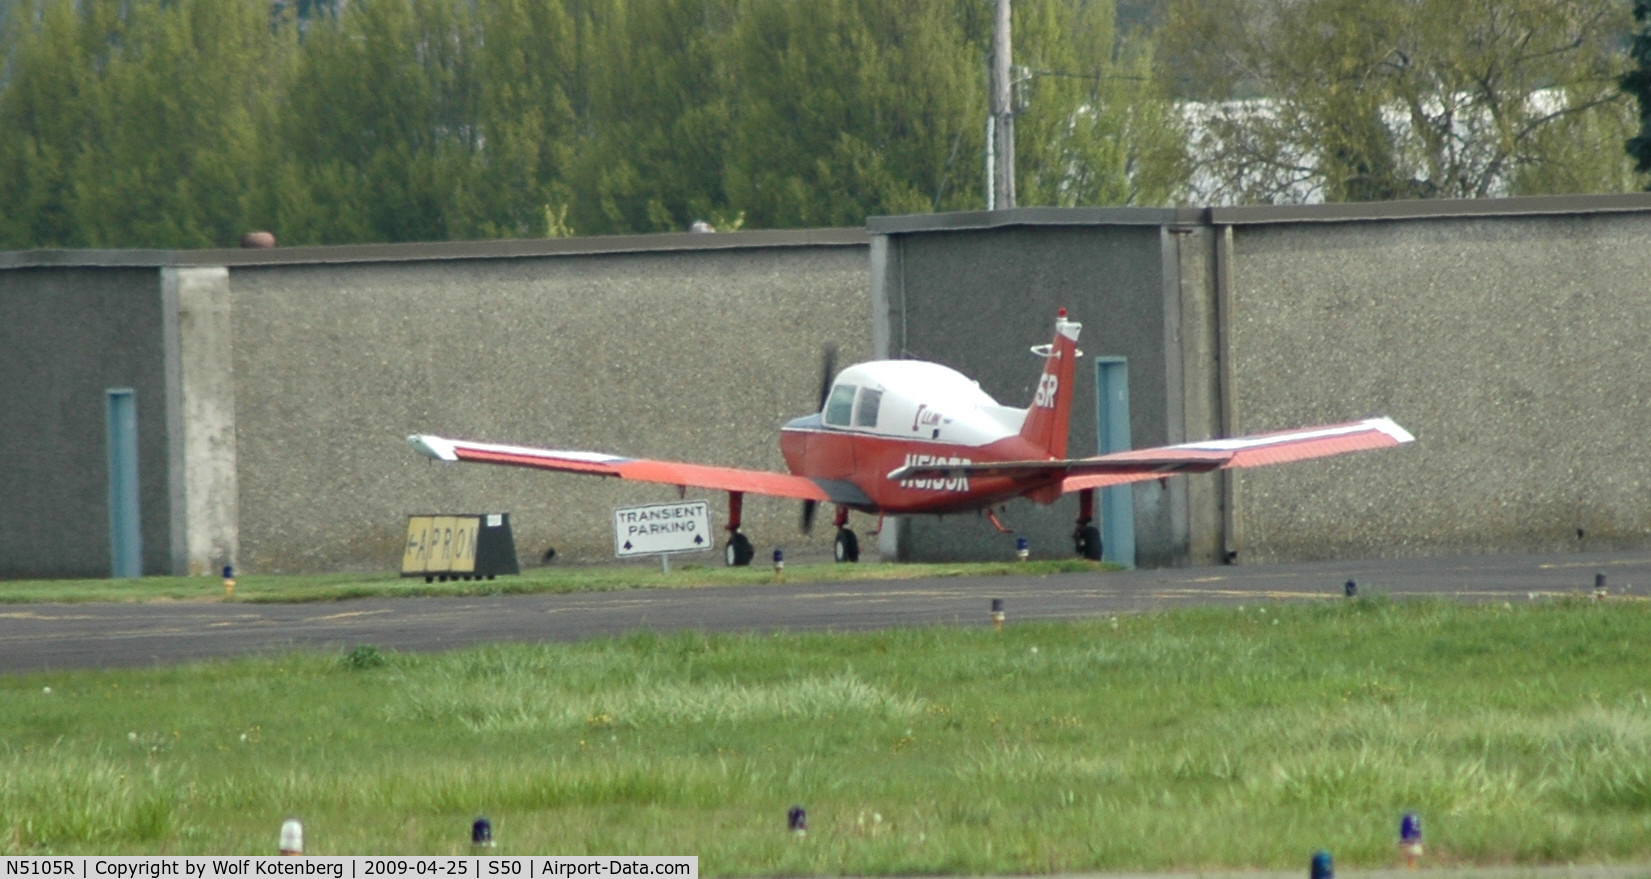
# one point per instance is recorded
(737, 553)
(846, 547)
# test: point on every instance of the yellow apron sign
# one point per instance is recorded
(440, 545)
(459, 547)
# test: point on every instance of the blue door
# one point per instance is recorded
(125, 526)
(1117, 508)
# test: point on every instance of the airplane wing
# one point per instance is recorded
(641, 469)
(1138, 465)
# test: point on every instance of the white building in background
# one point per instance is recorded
(1284, 167)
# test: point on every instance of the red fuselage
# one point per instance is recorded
(864, 460)
(882, 416)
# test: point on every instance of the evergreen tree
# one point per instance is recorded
(185, 123)
(1637, 83)
(136, 124)
(383, 125)
(652, 113)
(846, 109)
(526, 119)
(47, 91)
(180, 129)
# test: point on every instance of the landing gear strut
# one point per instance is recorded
(1086, 538)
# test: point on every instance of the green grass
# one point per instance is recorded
(1193, 739)
(338, 587)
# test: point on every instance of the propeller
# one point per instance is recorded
(828, 371)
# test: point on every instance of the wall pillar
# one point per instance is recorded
(200, 419)
(1195, 349)
(888, 334)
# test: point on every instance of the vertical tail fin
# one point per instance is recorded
(1051, 410)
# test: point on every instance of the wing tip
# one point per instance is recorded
(433, 447)
(1391, 428)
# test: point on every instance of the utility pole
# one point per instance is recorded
(1002, 147)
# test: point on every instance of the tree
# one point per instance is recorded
(49, 88)
(187, 113)
(185, 123)
(1637, 84)
(652, 115)
(383, 127)
(1096, 128)
(524, 70)
(847, 108)
(136, 124)
(1361, 99)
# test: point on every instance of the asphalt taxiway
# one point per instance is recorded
(43, 637)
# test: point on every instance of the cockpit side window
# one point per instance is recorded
(865, 414)
(840, 405)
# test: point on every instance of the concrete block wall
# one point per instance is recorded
(67, 335)
(1506, 334)
(275, 388)
(1513, 345)
(675, 347)
(975, 291)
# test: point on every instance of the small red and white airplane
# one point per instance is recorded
(908, 437)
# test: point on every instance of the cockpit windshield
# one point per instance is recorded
(840, 406)
(865, 414)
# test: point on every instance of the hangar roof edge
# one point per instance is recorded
(1034, 216)
(1434, 208)
(1255, 215)
(437, 251)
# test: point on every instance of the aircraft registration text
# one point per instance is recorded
(939, 483)
(1047, 386)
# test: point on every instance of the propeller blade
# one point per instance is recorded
(828, 371)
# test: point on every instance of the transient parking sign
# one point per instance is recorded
(662, 528)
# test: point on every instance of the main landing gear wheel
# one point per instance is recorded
(846, 547)
(737, 553)
(1087, 541)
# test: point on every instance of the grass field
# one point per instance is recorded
(1200, 738)
(339, 587)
